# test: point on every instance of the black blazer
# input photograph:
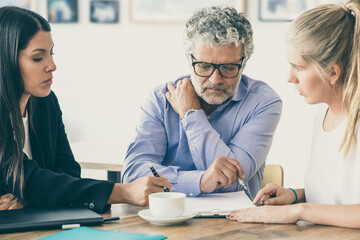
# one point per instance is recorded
(52, 177)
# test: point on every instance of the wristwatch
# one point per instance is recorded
(189, 112)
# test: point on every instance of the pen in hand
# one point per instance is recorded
(261, 203)
(157, 175)
(241, 182)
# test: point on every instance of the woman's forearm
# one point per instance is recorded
(336, 215)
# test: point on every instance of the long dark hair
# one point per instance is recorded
(17, 27)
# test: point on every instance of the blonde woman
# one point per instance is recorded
(323, 51)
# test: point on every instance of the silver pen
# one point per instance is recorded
(242, 184)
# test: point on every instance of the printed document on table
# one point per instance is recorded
(218, 201)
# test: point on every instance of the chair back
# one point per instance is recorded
(273, 173)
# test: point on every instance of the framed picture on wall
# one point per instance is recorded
(174, 11)
(102, 11)
(287, 10)
(18, 3)
(62, 11)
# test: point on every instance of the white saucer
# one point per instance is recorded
(146, 214)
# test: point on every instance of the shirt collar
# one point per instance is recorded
(242, 89)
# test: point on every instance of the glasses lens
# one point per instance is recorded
(229, 70)
(203, 69)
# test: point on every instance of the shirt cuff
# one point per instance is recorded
(196, 124)
(99, 202)
(189, 183)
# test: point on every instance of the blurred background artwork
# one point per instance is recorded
(62, 11)
(104, 11)
(287, 10)
(173, 10)
(19, 3)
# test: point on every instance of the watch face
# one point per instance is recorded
(189, 112)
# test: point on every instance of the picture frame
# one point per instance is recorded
(174, 11)
(62, 11)
(104, 11)
(287, 10)
(27, 4)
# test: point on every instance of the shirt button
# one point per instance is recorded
(91, 205)
(191, 194)
(86, 204)
(208, 117)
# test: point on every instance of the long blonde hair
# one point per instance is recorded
(328, 35)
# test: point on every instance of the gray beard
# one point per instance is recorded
(216, 100)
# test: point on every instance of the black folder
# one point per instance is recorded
(29, 219)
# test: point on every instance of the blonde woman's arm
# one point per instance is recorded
(335, 215)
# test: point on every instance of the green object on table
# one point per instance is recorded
(87, 233)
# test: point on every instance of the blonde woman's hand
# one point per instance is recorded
(268, 214)
(9, 201)
(273, 194)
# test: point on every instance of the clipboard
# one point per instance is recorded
(217, 205)
(215, 213)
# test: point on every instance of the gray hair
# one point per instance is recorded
(219, 26)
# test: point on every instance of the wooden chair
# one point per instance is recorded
(273, 173)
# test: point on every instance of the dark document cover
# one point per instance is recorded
(29, 219)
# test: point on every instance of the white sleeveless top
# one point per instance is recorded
(27, 149)
(331, 178)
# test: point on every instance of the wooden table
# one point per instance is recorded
(206, 229)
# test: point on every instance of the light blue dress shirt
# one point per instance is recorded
(241, 128)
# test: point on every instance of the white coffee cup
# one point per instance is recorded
(167, 204)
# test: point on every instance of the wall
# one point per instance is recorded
(106, 71)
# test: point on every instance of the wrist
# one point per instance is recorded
(295, 195)
(299, 210)
(118, 194)
(204, 188)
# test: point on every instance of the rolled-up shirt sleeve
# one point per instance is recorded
(250, 145)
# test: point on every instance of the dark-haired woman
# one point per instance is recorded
(37, 166)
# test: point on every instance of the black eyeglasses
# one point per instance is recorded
(227, 70)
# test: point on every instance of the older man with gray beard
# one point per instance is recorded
(209, 131)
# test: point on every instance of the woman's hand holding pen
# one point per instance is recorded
(137, 192)
(273, 194)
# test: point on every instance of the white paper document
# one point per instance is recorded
(222, 203)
